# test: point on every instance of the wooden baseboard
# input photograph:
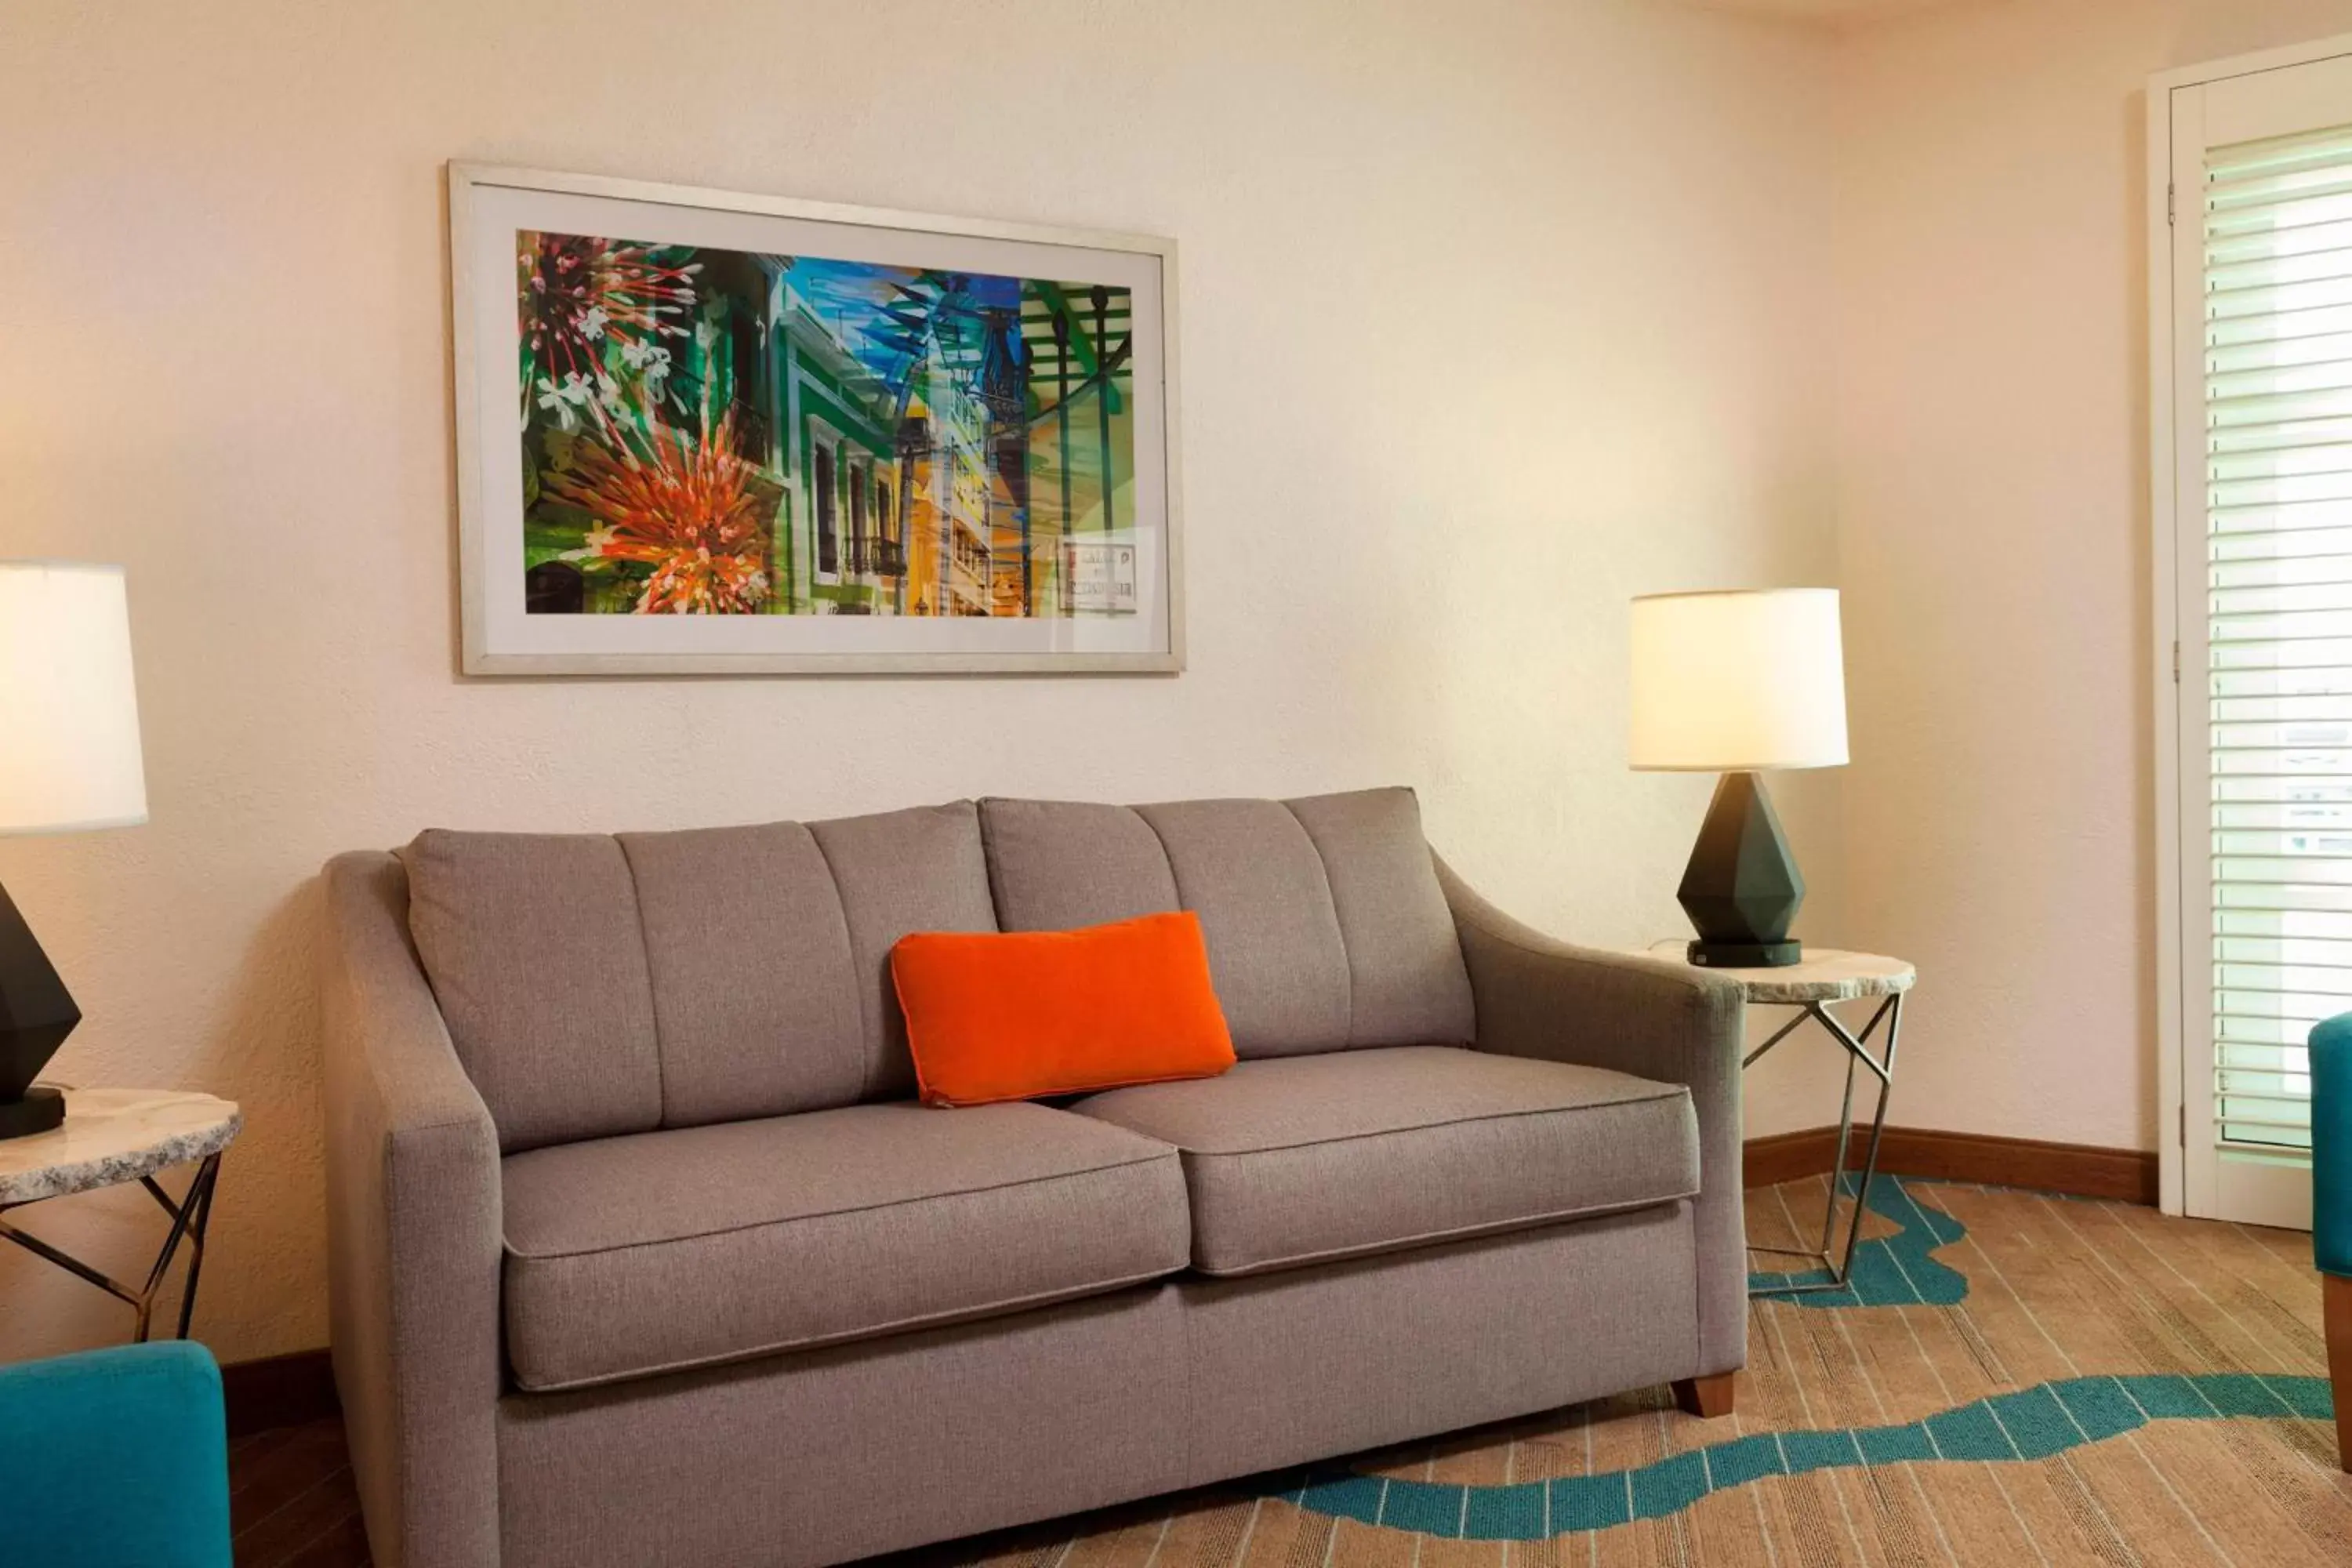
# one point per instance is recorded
(2078, 1170)
(278, 1391)
(1787, 1156)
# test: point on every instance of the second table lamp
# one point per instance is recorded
(1735, 682)
(70, 761)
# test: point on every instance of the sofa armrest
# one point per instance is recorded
(412, 1236)
(1537, 997)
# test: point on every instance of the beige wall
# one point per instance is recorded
(1494, 314)
(1992, 502)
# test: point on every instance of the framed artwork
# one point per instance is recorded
(700, 432)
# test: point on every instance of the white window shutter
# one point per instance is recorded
(2276, 218)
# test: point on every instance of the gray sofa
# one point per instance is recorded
(643, 1253)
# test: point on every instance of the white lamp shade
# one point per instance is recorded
(68, 713)
(1728, 682)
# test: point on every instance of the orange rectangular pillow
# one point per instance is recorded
(1022, 1014)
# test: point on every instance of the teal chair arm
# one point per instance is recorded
(2331, 1145)
(115, 1458)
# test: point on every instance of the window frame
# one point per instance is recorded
(2167, 675)
(825, 502)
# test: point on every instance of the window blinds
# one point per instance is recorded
(2277, 218)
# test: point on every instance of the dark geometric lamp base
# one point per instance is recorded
(37, 1014)
(41, 1108)
(1745, 955)
(1741, 889)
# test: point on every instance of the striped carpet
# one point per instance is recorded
(2014, 1378)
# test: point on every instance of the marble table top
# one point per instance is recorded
(1825, 974)
(112, 1135)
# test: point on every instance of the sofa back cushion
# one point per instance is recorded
(537, 957)
(753, 978)
(596, 985)
(1325, 922)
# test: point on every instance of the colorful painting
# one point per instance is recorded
(878, 452)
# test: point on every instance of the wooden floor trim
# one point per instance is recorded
(278, 1391)
(2079, 1170)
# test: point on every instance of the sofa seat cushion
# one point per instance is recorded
(1296, 1160)
(643, 1254)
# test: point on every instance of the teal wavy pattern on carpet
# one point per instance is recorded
(2030, 1424)
(1897, 1270)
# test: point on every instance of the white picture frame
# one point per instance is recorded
(832, 439)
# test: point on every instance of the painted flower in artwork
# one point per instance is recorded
(580, 293)
(687, 508)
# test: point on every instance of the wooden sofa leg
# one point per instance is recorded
(1711, 1397)
(2336, 1290)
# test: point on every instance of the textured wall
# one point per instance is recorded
(1494, 314)
(1992, 502)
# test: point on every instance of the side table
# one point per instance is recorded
(1824, 976)
(114, 1135)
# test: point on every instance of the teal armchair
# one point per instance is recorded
(2331, 1207)
(115, 1458)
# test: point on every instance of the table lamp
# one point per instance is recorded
(1734, 682)
(69, 762)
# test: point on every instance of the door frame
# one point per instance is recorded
(2172, 1001)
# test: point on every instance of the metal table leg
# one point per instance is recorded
(192, 1216)
(1838, 1262)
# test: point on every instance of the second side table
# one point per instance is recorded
(119, 1135)
(1828, 975)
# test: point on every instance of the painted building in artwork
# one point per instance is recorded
(938, 446)
(955, 496)
(840, 531)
